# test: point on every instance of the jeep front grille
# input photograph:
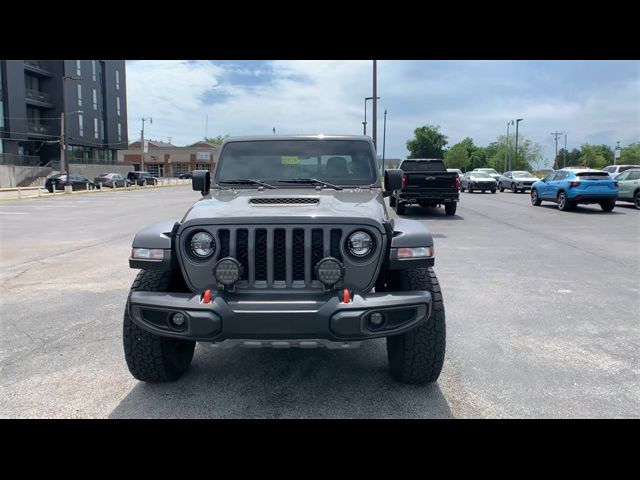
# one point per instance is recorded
(275, 257)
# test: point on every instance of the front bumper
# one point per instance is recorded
(272, 317)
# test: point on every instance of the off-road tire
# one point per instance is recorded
(450, 208)
(150, 357)
(416, 356)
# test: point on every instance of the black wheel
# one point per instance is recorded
(417, 356)
(150, 357)
(608, 205)
(400, 208)
(501, 187)
(470, 189)
(513, 188)
(636, 200)
(535, 200)
(392, 201)
(493, 190)
(450, 208)
(563, 202)
(461, 188)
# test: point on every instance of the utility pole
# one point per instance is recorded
(616, 152)
(142, 143)
(515, 162)
(556, 134)
(506, 155)
(375, 104)
(384, 137)
(564, 162)
(63, 160)
(206, 126)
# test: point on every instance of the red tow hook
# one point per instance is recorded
(346, 296)
(206, 296)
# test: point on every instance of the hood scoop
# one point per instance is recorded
(284, 201)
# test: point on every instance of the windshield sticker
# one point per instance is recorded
(289, 160)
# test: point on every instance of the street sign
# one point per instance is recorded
(617, 153)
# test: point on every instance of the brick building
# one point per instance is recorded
(166, 160)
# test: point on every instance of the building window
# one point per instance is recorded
(203, 166)
(78, 67)
(96, 133)
(153, 169)
(95, 99)
(93, 70)
(101, 129)
(119, 132)
(79, 95)
(118, 105)
(180, 168)
(80, 125)
(117, 79)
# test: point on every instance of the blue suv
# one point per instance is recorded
(570, 186)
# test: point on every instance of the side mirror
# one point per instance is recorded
(393, 179)
(201, 181)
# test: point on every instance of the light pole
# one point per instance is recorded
(506, 155)
(142, 142)
(564, 153)
(384, 137)
(515, 162)
(375, 105)
(616, 153)
(64, 162)
(364, 124)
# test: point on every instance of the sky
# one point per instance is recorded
(591, 101)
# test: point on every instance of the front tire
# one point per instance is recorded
(493, 190)
(150, 357)
(450, 208)
(501, 187)
(535, 200)
(513, 188)
(417, 356)
(392, 201)
(400, 208)
(636, 200)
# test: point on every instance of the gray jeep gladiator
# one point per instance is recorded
(291, 245)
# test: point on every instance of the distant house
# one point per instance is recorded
(167, 160)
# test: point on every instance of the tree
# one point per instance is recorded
(457, 156)
(428, 142)
(630, 154)
(216, 140)
(595, 156)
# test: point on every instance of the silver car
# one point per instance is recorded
(614, 170)
(516, 181)
(492, 173)
(629, 186)
(473, 181)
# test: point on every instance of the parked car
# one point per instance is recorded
(142, 178)
(78, 182)
(244, 268)
(186, 175)
(629, 186)
(426, 182)
(568, 187)
(492, 173)
(477, 180)
(111, 180)
(457, 170)
(614, 170)
(516, 181)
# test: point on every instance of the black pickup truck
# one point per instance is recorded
(426, 182)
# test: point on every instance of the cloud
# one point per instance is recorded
(466, 98)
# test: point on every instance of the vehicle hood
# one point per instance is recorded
(334, 206)
(524, 180)
(482, 179)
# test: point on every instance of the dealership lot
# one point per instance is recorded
(542, 320)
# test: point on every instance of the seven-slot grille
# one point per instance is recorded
(279, 256)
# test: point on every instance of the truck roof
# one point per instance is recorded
(262, 138)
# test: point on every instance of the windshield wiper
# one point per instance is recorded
(247, 181)
(311, 181)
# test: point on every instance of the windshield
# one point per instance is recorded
(479, 175)
(522, 175)
(592, 175)
(342, 162)
(488, 170)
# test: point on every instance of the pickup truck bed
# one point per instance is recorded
(427, 182)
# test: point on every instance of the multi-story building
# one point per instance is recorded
(166, 160)
(34, 94)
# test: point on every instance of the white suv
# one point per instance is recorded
(613, 170)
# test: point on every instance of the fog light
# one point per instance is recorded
(178, 319)
(376, 320)
(329, 271)
(227, 271)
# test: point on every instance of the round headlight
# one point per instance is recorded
(202, 245)
(360, 244)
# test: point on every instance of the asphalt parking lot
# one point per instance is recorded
(543, 320)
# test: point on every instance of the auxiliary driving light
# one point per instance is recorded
(376, 319)
(329, 271)
(178, 319)
(227, 271)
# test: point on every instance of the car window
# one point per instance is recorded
(592, 175)
(609, 169)
(622, 176)
(559, 175)
(628, 167)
